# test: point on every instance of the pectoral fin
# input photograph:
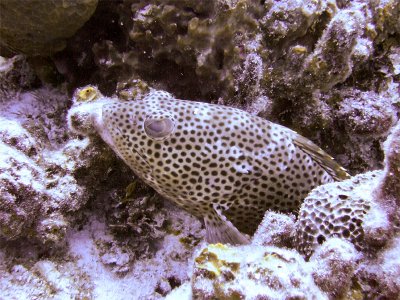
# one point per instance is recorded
(220, 230)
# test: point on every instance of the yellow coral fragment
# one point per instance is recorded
(88, 93)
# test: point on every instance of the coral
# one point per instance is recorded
(379, 277)
(365, 119)
(38, 189)
(387, 194)
(46, 31)
(288, 20)
(252, 272)
(19, 138)
(333, 267)
(75, 221)
(21, 192)
(386, 15)
(45, 280)
(338, 209)
(331, 61)
(15, 75)
(194, 41)
(276, 229)
(33, 198)
(390, 187)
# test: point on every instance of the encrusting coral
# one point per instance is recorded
(252, 272)
(333, 267)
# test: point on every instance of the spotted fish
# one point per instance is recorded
(222, 164)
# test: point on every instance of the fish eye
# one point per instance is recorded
(158, 128)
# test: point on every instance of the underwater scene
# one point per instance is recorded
(185, 149)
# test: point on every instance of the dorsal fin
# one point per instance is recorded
(326, 161)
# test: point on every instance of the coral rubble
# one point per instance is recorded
(252, 272)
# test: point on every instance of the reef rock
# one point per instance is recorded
(40, 27)
(380, 277)
(36, 190)
(276, 229)
(333, 267)
(252, 272)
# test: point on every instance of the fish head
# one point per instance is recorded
(141, 132)
(85, 115)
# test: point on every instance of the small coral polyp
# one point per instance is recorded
(87, 94)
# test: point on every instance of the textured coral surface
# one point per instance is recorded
(77, 223)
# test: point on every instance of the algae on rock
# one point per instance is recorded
(40, 27)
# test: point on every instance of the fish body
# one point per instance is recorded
(220, 163)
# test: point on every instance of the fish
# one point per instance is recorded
(223, 165)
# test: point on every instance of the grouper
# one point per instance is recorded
(221, 164)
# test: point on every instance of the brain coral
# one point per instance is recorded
(363, 209)
(336, 209)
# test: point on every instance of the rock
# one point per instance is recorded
(276, 229)
(334, 264)
(40, 27)
(252, 272)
